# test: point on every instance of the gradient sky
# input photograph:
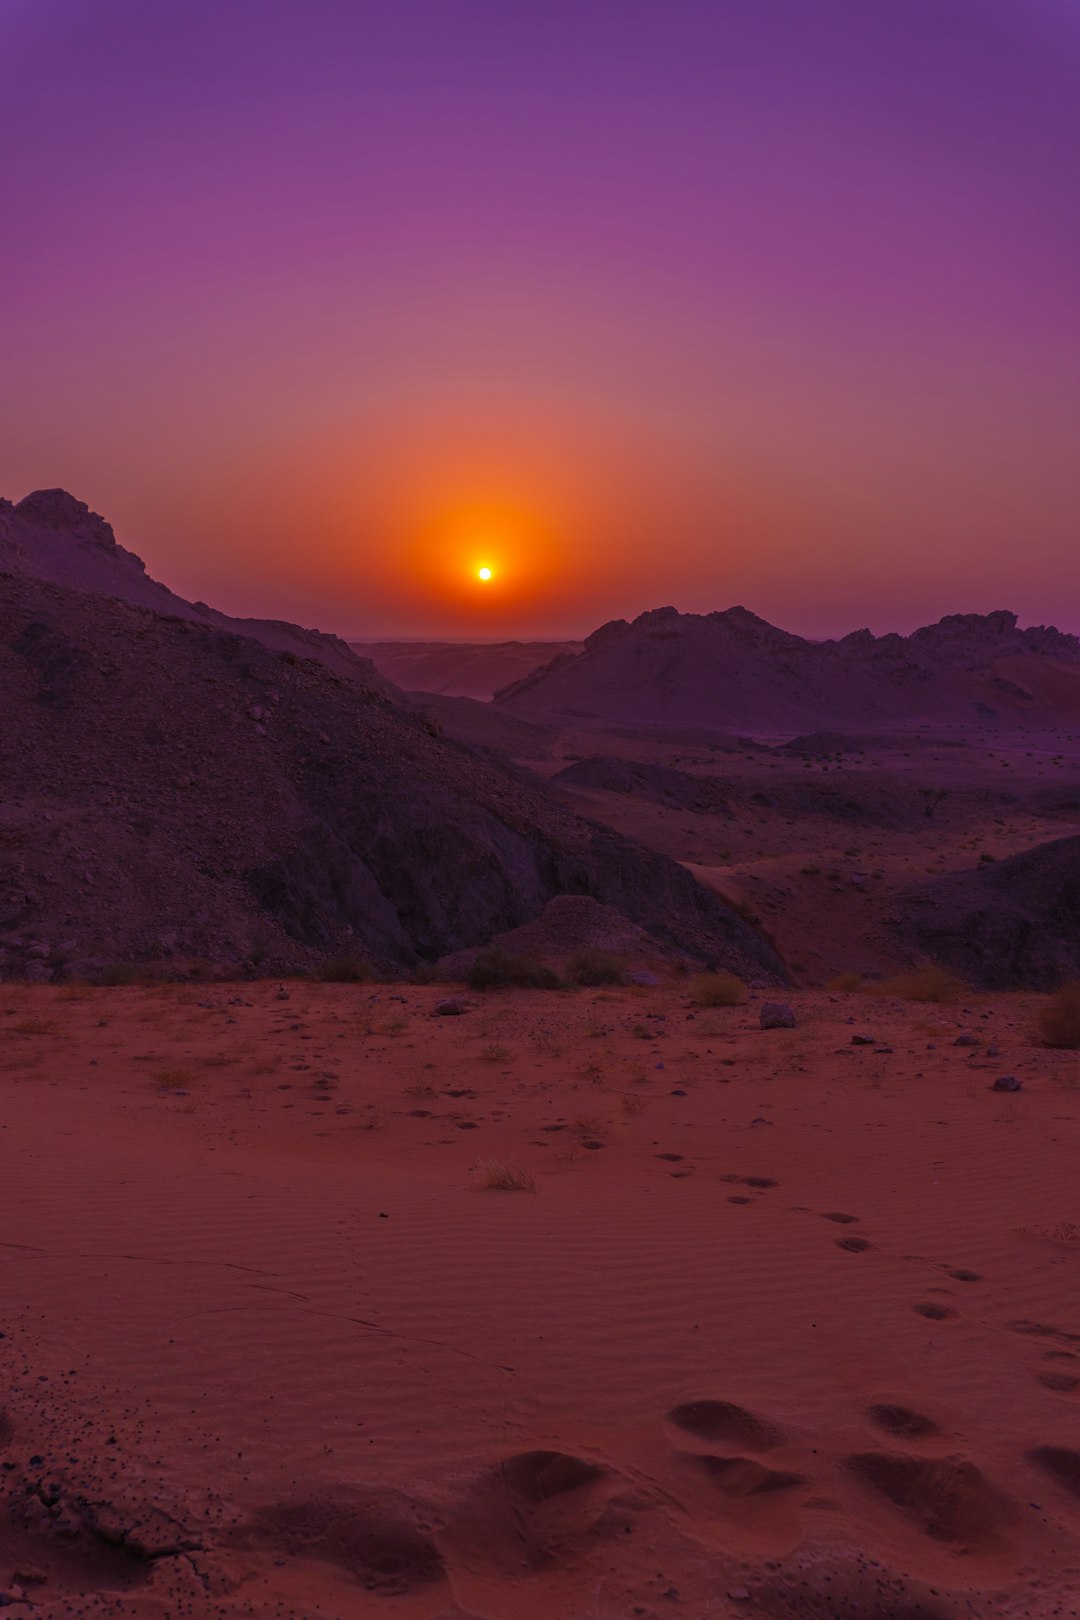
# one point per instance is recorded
(324, 303)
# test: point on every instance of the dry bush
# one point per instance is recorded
(503, 1175)
(632, 1104)
(1059, 1019)
(174, 1079)
(118, 974)
(930, 982)
(350, 968)
(845, 981)
(717, 990)
(494, 1053)
(589, 1124)
(591, 966)
(34, 1026)
(494, 969)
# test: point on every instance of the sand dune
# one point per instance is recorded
(787, 1328)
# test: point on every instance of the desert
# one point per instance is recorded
(771, 1322)
(630, 1178)
(539, 810)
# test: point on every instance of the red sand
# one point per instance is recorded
(780, 1332)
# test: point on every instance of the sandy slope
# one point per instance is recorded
(780, 1333)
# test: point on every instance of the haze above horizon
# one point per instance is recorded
(328, 307)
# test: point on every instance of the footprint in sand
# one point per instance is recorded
(854, 1245)
(902, 1422)
(739, 1477)
(947, 1497)
(1062, 1383)
(378, 1536)
(933, 1311)
(1059, 1462)
(724, 1423)
(539, 1508)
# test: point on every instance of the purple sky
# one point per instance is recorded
(693, 301)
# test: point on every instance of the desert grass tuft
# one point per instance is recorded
(503, 1175)
(174, 1079)
(350, 968)
(495, 969)
(851, 980)
(930, 982)
(717, 990)
(494, 1053)
(1059, 1019)
(591, 966)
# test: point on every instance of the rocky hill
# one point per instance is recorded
(1012, 924)
(52, 536)
(176, 791)
(734, 671)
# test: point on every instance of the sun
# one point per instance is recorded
(483, 573)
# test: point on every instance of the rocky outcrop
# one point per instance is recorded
(1012, 924)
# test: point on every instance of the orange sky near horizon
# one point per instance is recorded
(769, 303)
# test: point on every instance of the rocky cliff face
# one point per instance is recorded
(173, 790)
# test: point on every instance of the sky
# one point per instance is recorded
(327, 304)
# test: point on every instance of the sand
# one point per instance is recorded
(789, 1326)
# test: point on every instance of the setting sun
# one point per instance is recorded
(483, 573)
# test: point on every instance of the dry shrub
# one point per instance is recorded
(494, 969)
(494, 1053)
(592, 966)
(930, 982)
(503, 1175)
(845, 981)
(717, 990)
(633, 1105)
(350, 968)
(1059, 1019)
(118, 974)
(174, 1079)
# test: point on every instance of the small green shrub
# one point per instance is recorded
(591, 966)
(927, 983)
(1059, 1020)
(718, 990)
(350, 968)
(495, 969)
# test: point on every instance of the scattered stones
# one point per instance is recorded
(776, 1015)
(966, 1040)
(1007, 1082)
(449, 1007)
(864, 1040)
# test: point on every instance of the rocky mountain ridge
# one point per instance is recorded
(732, 669)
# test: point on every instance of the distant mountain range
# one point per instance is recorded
(733, 671)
